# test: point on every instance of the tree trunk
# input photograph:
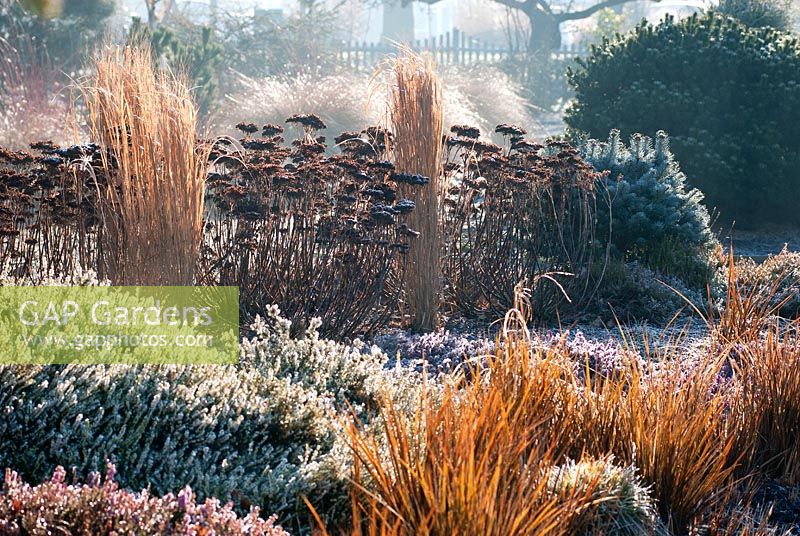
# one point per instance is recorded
(398, 23)
(545, 33)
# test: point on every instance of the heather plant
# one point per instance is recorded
(783, 268)
(524, 214)
(261, 433)
(726, 94)
(631, 291)
(101, 507)
(231, 434)
(622, 503)
(652, 217)
(590, 357)
(354, 375)
(440, 351)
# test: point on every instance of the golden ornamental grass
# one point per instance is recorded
(415, 101)
(152, 206)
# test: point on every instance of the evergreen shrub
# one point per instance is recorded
(727, 94)
(654, 217)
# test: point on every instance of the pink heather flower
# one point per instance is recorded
(111, 472)
(58, 475)
(185, 498)
(94, 479)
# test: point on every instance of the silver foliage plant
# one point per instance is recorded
(259, 433)
(623, 503)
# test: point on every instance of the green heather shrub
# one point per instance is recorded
(727, 94)
(622, 504)
(262, 433)
(633, 292)
(654, 218)
(777, 273)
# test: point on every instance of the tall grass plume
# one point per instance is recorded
(152, 208)
(416, 110)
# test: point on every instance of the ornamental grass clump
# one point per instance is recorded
(470, 464)
(768, 404)
(746, 309)
(58, 507)
(482, 457)
(415, 103)
(152, 207)
(783, 267)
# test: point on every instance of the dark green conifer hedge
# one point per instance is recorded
(727, 95)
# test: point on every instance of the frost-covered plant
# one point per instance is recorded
(263, 432)
(654, 217)
(632, 291)
(783, 269)
(727, 94)
(354, 374)
(43, 276)
(56, 507)
(229, 433)
(622, 504)
(441, 351)
(603, 358)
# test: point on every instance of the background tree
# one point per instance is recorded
(545, 19)
(726, 93)
(759, 13)
(62, 31)
(157, 11)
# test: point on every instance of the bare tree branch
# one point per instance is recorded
(588, 12)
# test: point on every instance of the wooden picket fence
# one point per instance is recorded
(450, 48)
